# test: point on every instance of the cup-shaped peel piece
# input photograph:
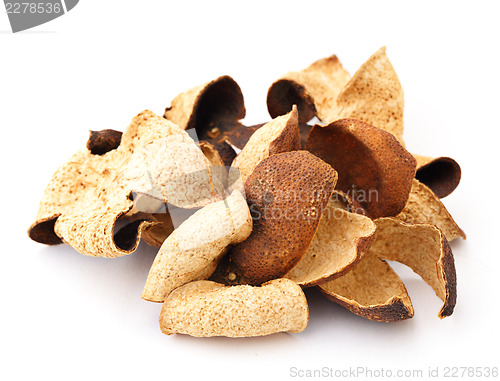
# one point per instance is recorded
(373, 168)
(442, 174)
(424, 207)
(338, 245)
(206, 308)
(214, 110)
(287, 194)
(193, 250)
(277, 136)
(313, 90)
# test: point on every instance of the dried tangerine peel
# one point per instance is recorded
(339, 243)
(424, 207)
(277, 136)
(205, 309)
(372, 289)
(214, 110)
(313, 89)
(103, 141)
(373, 95)
(425, 250)
(373, 167)
(442, 175)
(287, 194)
(88, 194)
(193, 250)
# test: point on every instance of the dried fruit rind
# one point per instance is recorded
(193, 250)
(371, 290)
(424, 249)
(373, 95)
(424, 207)
(287, 194)
(442, 174)
(214, 110)
(277, 136)
(205, 309)
(313, 90)
(88, 194)
(339, 243)
(373, 167)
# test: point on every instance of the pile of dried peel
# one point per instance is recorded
(298, 205)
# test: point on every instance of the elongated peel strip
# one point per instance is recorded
(206, 308)
(424, 207)
(287, 194)
(338, 245)
(88, 194)
(313, 90)
(193, 250)
(277, 136)
(372, 290)
(425, 250)
(373, 167)
(442, 174)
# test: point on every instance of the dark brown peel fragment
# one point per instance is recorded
(103, 141)
(442, 175)
(213, 110)
(373, 167)
(287, 194)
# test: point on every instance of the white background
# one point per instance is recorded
(66, 316)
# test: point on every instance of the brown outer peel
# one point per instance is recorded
(205, 309)
(287, 194)
(193, 250)
(442, 174)
(424, 249)
(214, 110)
(424, 207)
(338, 245)
(370, 162)
(277, 136)
(313, 90)
(88, 194)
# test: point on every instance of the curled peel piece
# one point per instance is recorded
(88, 194)
(424, 207)
(338, 245)
(425, 250)
(206, 308)
(373, 167)
(442, 175)
(214, 110)
(287, 194)
(372, 290)
(277, 136)
(313, 89)
(324, 89)
(193, 250)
